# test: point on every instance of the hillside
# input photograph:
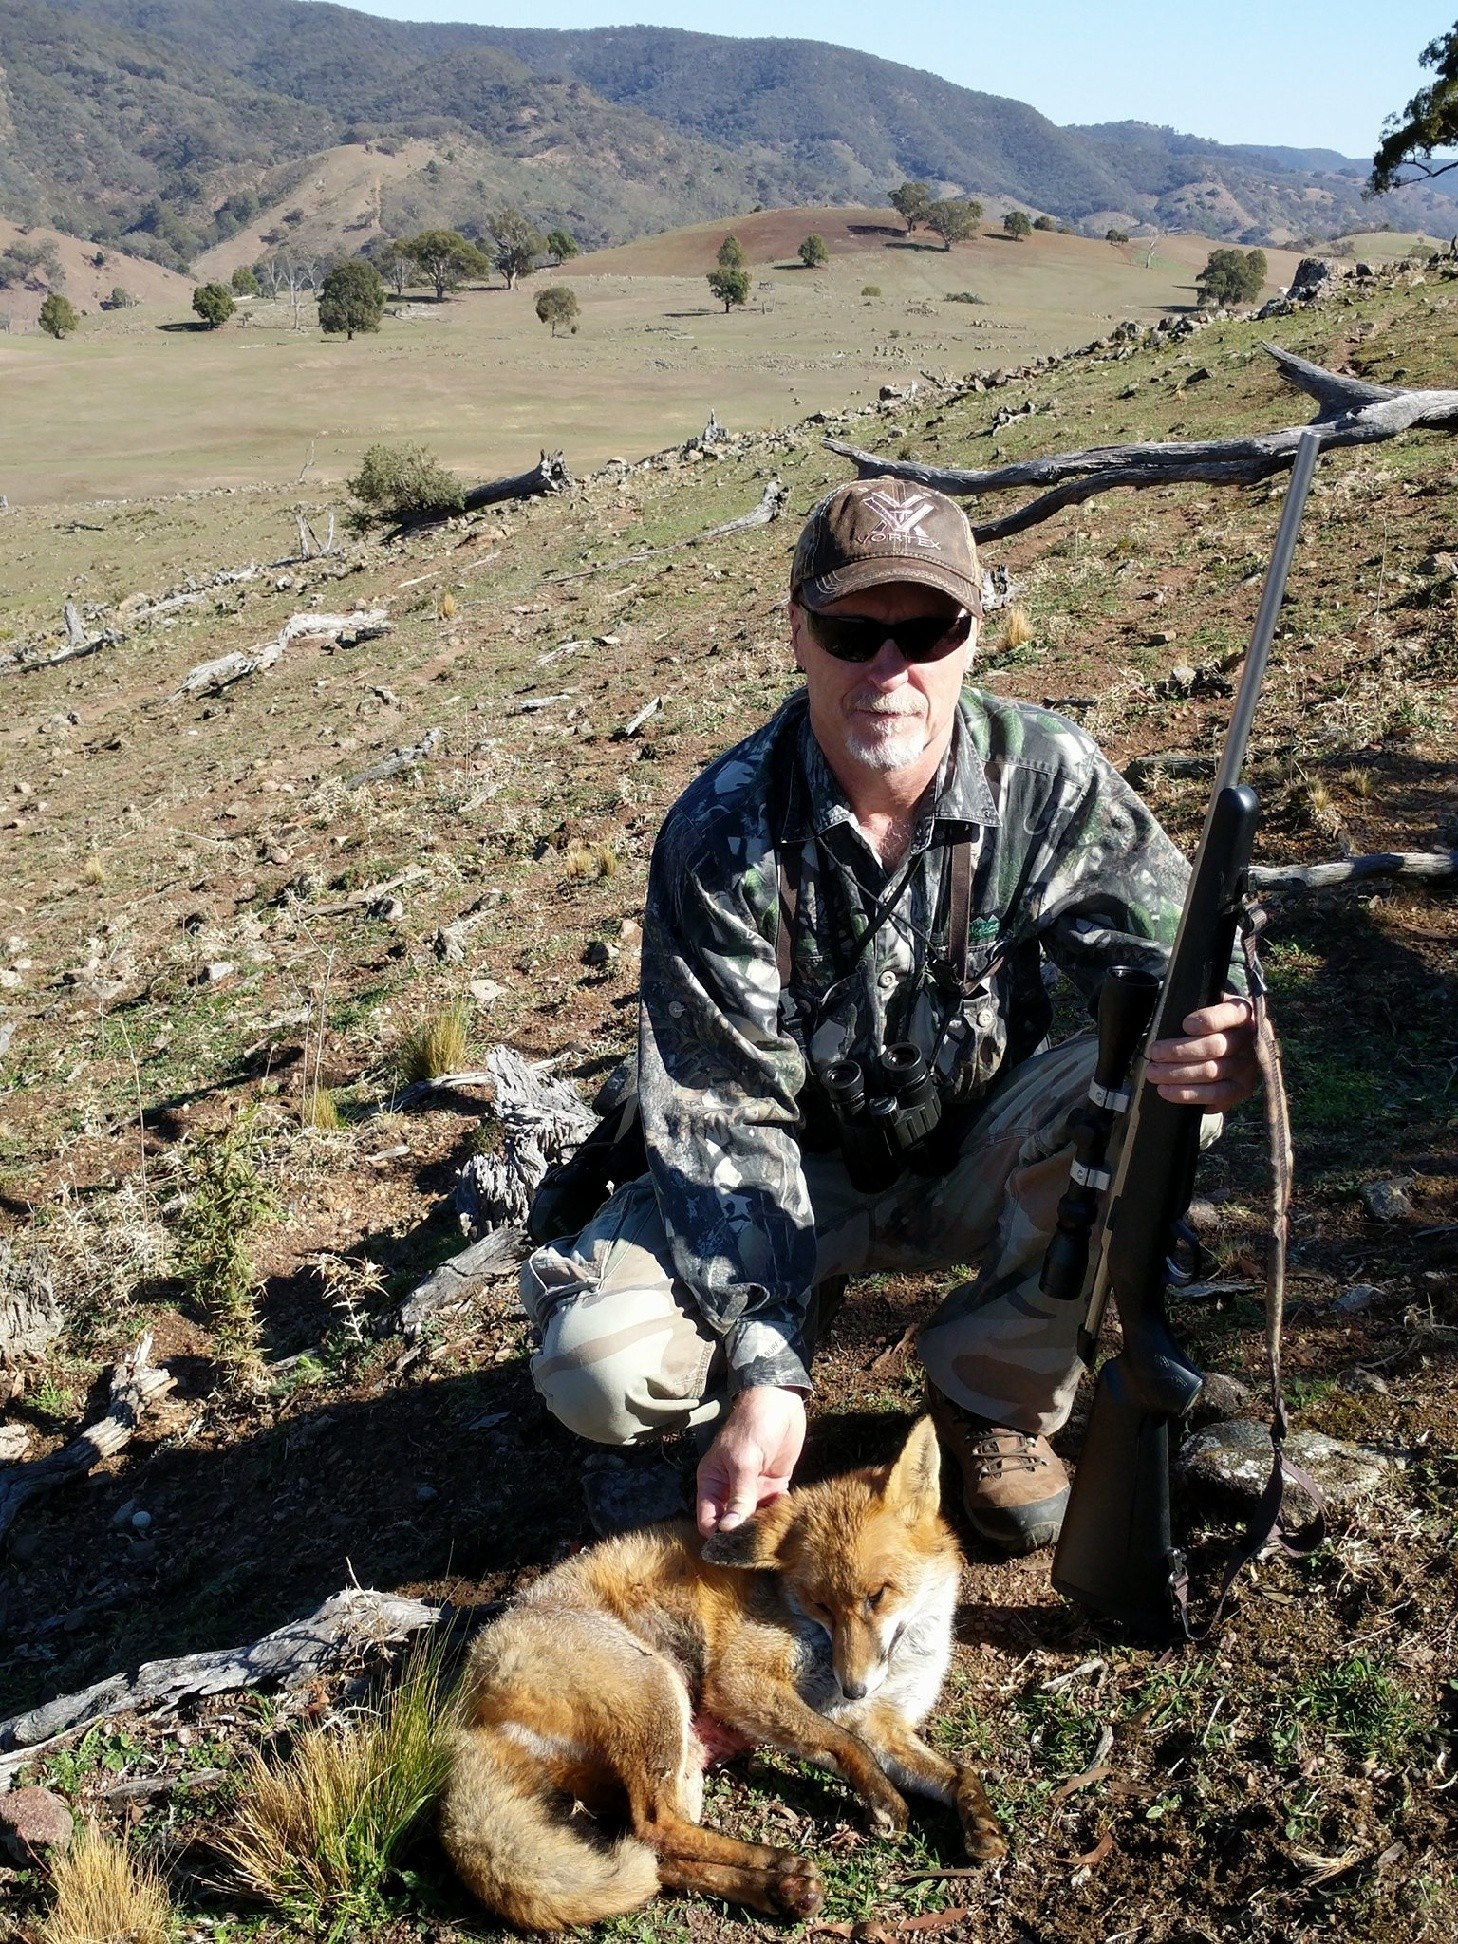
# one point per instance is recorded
(173, 123)
(209, 915)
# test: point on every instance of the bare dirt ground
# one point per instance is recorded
(1294, 1779)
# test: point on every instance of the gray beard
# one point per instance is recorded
(888, 750)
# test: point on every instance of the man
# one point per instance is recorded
(892, 858)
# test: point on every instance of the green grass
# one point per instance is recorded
(227, 1204)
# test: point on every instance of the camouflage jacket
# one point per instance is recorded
(1067, 864)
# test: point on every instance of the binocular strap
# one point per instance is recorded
(1265, 1521)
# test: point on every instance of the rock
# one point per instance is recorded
(1360, 1380)
(215, 972)
(448, 945)
(388, 911)
(14, 1443)
(426, 1495)
(1352, 1302)
(1221, 1397)
(630, 934)
(140, 1520)
(1230, 1463)
(486, 992)
(1386, 1201)
(32, 1821)
(600, 954)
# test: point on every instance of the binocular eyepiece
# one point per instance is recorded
(887, 1120)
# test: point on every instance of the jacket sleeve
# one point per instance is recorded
(718, 1080)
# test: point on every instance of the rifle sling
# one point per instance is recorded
(1265, 1521)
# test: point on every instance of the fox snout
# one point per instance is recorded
(857, 1658)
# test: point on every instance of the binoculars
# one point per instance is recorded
(888, 1119)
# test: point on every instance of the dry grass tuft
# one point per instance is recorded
(1017, 629)
(104, 1895)
(320, 1111)
(590, 863)
(318, 1835)
(439, 1043)
(93, 871)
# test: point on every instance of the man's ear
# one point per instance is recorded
(914, 1485)
(755, 1544)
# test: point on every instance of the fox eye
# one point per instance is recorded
(873, 1600)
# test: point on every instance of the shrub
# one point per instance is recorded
(58, 316)
(436, 1044)
(557, 305)
(1232, 277)
(1044, 223)
(963, 297)
(405, 482)
(226, 1204)
(1017, 629)
(121, 299)
(245, 284)
(214, 304)
(870, 290)
(730, 286)
(1116, 236)
(814, 252)
(352, 299)
(102, 1892)
(319, 1835)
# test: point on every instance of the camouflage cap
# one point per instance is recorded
(872, 531)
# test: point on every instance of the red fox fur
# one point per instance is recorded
(822, 1627)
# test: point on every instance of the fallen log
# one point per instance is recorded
(212, 677)
(772, 503)
(346, 1622)
(136, 1383)
(396, 761)
(1426, 867)
(548, 475)
(496, 1254)
(1351, 412)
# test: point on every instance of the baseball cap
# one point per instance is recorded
(871, 531)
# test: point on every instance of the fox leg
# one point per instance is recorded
(908, 1760)
(779, 1882)
(767, 1710)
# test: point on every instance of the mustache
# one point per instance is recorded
(873, 702)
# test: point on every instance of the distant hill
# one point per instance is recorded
(170, 125)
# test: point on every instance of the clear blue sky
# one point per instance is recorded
(1312, 73)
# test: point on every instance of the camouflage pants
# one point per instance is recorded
(625, 1356)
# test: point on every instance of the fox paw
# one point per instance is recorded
(888, 1815)
(798, 1889)
(982, 1836)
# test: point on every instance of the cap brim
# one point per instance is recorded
(885, 571)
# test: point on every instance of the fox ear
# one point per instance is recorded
(755, 1544)
(914, 1486)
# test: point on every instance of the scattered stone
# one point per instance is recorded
(599, 953)
(123, 1513)
(426, 1494)
(630, 933)
(1353, 1301)
(1230, 1463)
(486, 992)
(1182, 678)
(1386, 1201)
(1360, 1380)
(32, 1821)
(389, 911)
(215, 972)
(141, 1520)
(448, 945)
(14, 1443)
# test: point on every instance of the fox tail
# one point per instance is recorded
(516, 1851)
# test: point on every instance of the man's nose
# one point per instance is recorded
(887, 663)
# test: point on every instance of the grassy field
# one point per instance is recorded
(139, 402)
(190, 959)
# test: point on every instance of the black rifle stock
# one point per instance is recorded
(1115, 1554)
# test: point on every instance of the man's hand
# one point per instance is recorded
(1214, 1067)
(751, 1460)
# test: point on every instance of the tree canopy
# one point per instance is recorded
(912, 203)
(1018, 225)
(1430, 121)
(557, 304)
(814, 251)
(352, 299)
(730, 286)
(731, 254)
(1232, 277)
(58, 316)
(445, 259)
(953, 222)
(214, 304)
(516, 245)
(563, 244)
(244, 282)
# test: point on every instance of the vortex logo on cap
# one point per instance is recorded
(901, 520)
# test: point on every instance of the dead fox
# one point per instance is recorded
(822, 1627)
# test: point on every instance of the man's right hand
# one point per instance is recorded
(752, 1459)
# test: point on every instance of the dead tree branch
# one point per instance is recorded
(135, 1383)
(345, 1623)
(548, 475)
(1351, 412)
(497, 1254)
(771, 505)
(397, 760)
(1426, 867)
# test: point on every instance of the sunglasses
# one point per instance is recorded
(856, 638)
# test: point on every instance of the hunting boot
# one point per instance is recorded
(1014, 1487)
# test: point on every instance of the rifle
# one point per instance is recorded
(1115, 1555)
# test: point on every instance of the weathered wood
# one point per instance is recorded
(634, 723)
(211, 677)
(136, 1383)
(542, 1122)
(1428, 867)
(21, 664)
(1142, 769)
(346, 1622)
(496, 1254)
(548, 475)
(397, 760)
(772, 503)
(1351, 413)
